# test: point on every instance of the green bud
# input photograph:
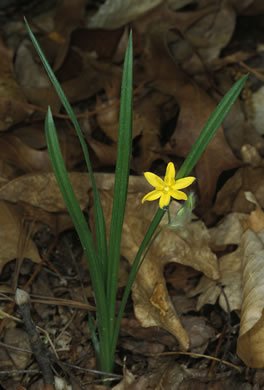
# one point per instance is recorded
(184, 214)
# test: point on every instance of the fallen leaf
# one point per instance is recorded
(231, 196)
(41, 190)
(133, 328)
(251, 337)
(230, 282)
(12, 102)
(229, 231)
(199, 331)
(255, 221)
(211, 33)
(19, 339)
(22, 156)
(112, 16)
(127, 380)
(33, 79)
(105, 154)
(10, 218)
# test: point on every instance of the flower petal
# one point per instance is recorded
(153, 195)
(170, 174)
(183, 183)
(178, 195)
(154, 180)
(164, 200)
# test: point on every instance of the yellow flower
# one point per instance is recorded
(167, 188)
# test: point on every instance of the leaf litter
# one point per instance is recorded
(197, 285)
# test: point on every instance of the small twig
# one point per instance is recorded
(202, 356)
(38, 348)
(16, 372)
(4, 345)
(115, 376)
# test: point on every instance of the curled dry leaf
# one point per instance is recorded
(231, 197)
(230, 283)
(128, 379)
(255, 220)
(229, 232)
(13, 150)
(190, 247)
(112, 15)
(250, 347)
(212, 33)
(242, 275)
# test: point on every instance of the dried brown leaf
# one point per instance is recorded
(22, 156)
(33, 79)
(250, 347)
(41, 190)
(228, 232)
(12, 109)
(231, 197)
(10, 219)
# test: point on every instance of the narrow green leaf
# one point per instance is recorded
(99, 216)
(121, 180)
(84, 234)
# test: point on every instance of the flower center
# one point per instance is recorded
(166, 188)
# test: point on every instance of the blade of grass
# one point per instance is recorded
(84, 234)
(121, 180)
(99, 216)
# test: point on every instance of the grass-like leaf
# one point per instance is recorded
(121, 180)
(99, 216)
(83, 232)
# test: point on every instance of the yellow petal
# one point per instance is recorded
(154, 180)
(170, 174)
(153, 195)
(164, 200)
(183, 183)
(179, 195)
